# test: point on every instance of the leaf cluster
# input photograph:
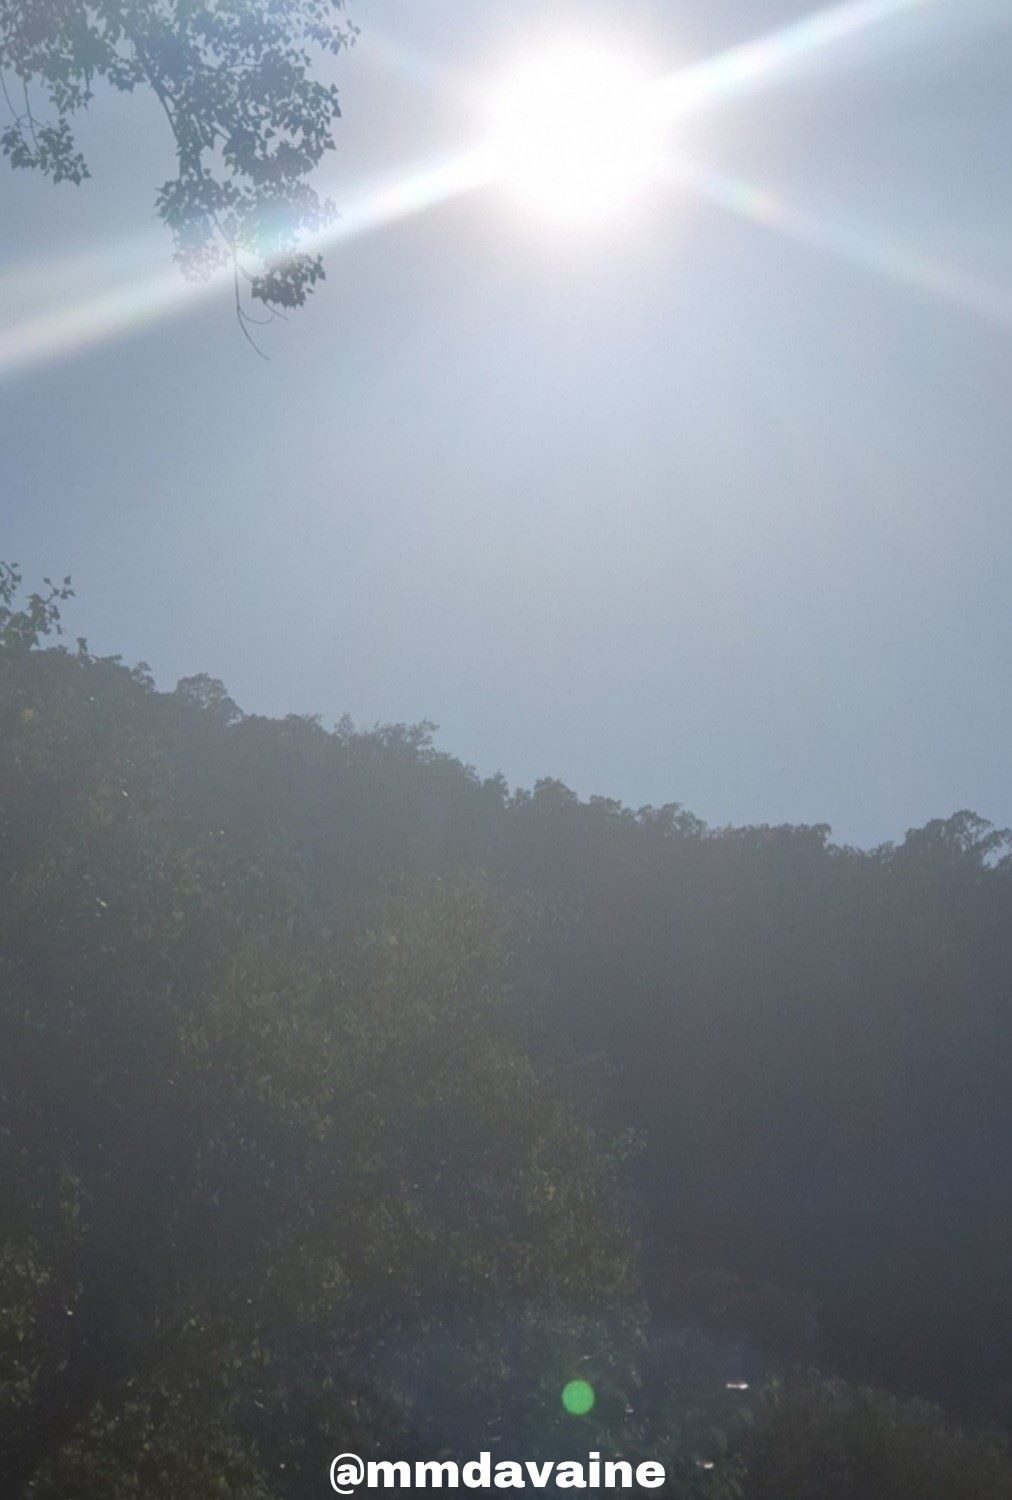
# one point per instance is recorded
(243, 88)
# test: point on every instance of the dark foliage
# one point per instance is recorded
(318, 1061)
(237, 81)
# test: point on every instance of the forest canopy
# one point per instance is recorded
(353, 1101)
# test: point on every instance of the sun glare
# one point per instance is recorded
(576, 134)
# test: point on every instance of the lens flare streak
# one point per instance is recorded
(894, 262)
(766, 60)
(143, 299)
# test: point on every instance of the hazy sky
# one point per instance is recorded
(682, 508)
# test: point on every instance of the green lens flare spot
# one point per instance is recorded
(578, 1398)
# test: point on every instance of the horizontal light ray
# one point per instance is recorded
(31, 282)
(402, 197)
(129, 304)
(765, 60)
(897, 263)
(95, 318)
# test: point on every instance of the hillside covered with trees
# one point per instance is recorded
(351, 1101)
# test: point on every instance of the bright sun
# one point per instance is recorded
(575, 133)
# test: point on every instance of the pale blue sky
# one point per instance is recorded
(685, 511)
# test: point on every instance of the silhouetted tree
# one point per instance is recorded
(249, 108)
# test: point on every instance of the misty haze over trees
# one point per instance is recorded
(353, 1102)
